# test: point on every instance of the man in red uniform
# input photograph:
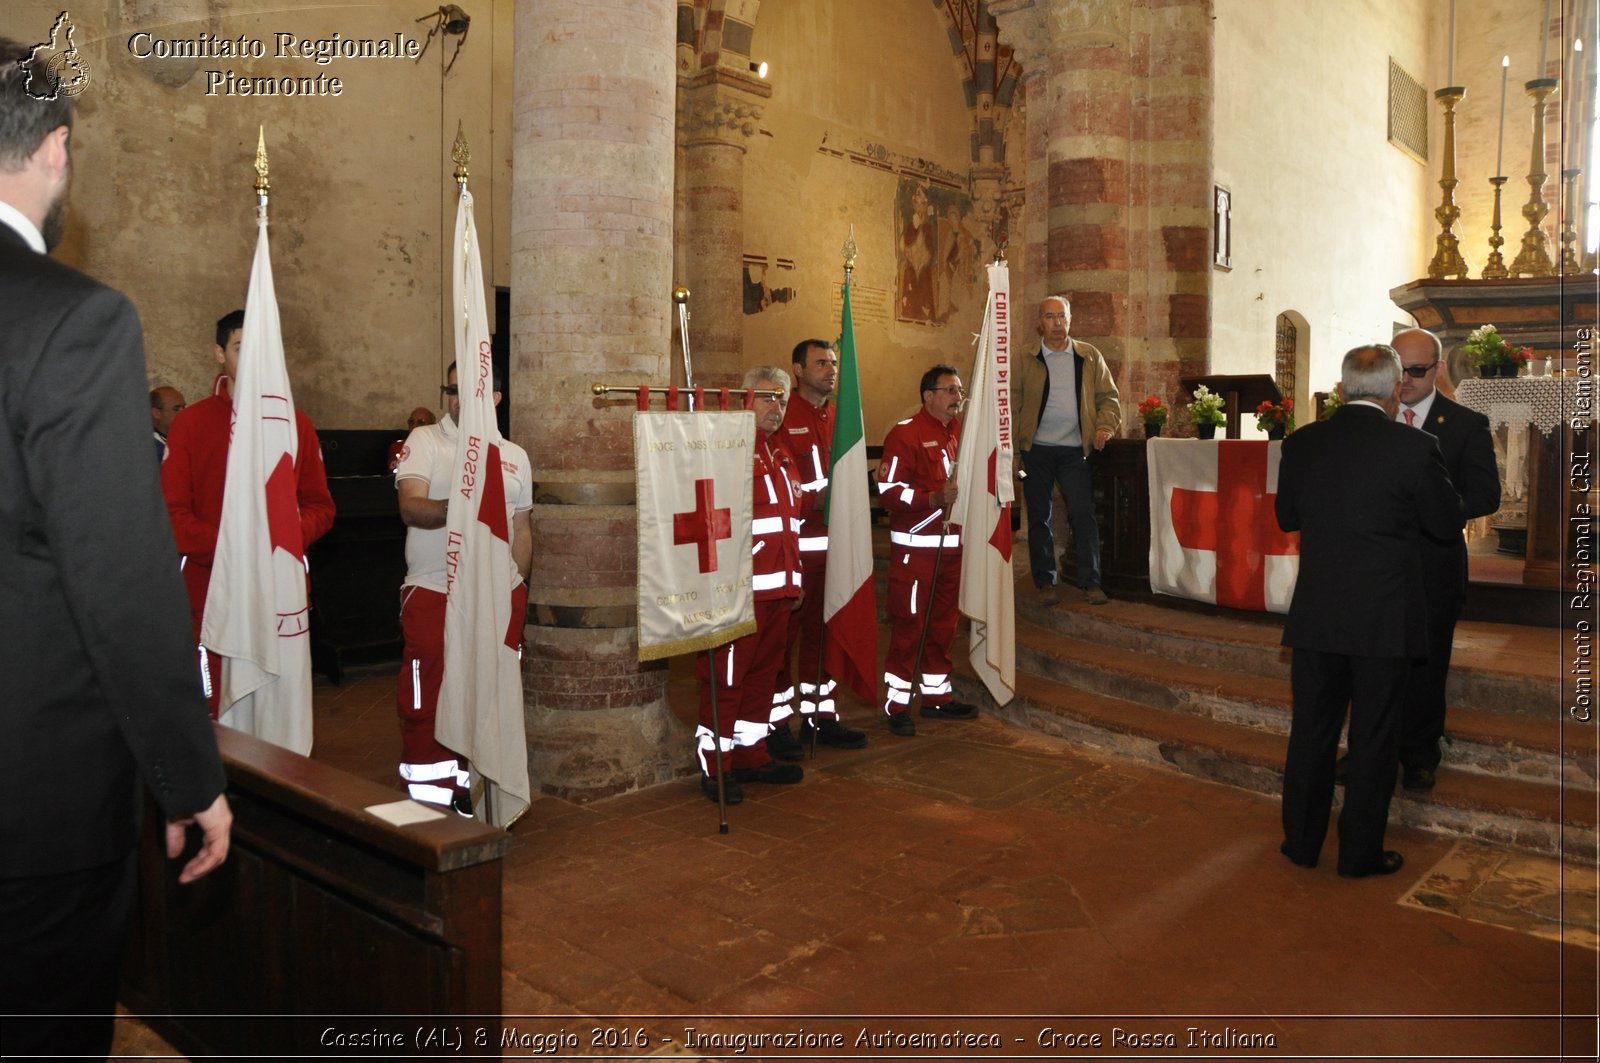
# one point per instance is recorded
(745, 669)
(807, 437)
(195, 470)
(916, 483)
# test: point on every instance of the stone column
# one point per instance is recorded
(1023, 26)
(716, 115)
(591, 301)
(1118, 157)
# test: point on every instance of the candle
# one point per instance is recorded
(1544, 40)
(1575, 93)
(1500, 148)
(1450, 71)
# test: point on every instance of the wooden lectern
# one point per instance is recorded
(1239, 391)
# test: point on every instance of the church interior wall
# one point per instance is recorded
(866, 104)
(1327, 215)
(362, 203)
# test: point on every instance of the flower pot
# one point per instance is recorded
(1277, 431)
(1152, 429)
(1206, 431)
(1511, 369)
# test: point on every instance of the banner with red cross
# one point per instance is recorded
(1213, 534)
(694, 530)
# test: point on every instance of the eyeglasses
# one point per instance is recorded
(1417, 372)
(954, 389)
(450, 389)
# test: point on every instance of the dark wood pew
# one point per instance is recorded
(326, 921)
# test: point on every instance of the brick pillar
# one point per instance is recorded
(1118, 162)
(591, 285)
(715, 118)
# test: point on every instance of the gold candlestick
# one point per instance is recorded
(1447, 260)
(1569, 223)
(1534, 258)
(1495, 268)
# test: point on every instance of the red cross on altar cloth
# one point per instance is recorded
(1213, 534)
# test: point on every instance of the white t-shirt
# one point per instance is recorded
(430, 454)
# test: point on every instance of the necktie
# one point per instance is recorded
(1411, 418)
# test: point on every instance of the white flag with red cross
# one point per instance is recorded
(1213, 534)
(480, 696)
(694, 473)
(256, 617)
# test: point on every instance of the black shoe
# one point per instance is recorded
(1418, 779)
(773, 772)
(1284, 849)
(730, 789)
(1387, 864)
(783, 745)
(902, 724)
(951, 710)
(461, 804)
(830, 732)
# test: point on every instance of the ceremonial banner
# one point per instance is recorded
(480, 695)
(849, 604)
(983, 507)
(256, 616)
(693, 472)
(1213, 534)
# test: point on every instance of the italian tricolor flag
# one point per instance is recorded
(849, 606)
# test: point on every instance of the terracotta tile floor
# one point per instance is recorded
(981, 879)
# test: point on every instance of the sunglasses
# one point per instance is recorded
(1417, 372)
(450, 389)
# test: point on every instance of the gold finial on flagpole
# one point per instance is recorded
(461, 155)
(1000, 253)
(263, 186)
(680, 294)
(849, 252)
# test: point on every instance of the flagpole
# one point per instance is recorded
(680, 296)
(263, 186)
(849, 253)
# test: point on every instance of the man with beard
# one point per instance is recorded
(101, 688)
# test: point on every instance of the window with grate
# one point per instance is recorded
(1283, 362)
(1408, 113)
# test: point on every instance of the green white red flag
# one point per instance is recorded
(849, 603)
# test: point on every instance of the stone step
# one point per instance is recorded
(1537, 817)
(1493, 666)
(1512, 746)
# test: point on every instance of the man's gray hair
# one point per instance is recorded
(1370, 372)
(1062, 299)
(1438, 348)
(780, 377)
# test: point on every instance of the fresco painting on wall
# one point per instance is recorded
(937, 253)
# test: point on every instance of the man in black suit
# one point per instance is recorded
(97, 654)
(1362, 491)
(1468, 451)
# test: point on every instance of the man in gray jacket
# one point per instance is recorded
(1066, 404)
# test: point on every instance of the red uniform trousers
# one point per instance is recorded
(745, 671)
(910, 574)
(805, 628)
(434, 774)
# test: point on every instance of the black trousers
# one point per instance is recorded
(1323, 685)
(61, 943)
(1444, 572)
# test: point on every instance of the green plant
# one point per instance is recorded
(1207, 407)
(1486, 347)
(1152, 410)
(1271, 414)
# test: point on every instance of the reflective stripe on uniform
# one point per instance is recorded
(951, 541)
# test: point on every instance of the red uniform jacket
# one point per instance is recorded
(774, 524)
(807, 437)
(196, 467)
(919, 455)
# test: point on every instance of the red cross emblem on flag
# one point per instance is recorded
(704, 525)
(1237, 522)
